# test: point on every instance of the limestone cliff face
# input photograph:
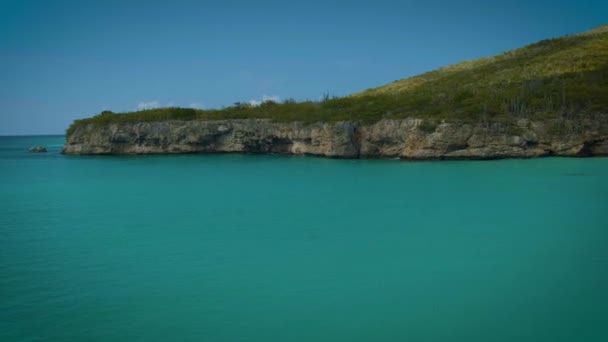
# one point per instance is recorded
(406, 139)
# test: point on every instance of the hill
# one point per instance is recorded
(559, 77)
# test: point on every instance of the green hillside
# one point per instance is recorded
(566, 76)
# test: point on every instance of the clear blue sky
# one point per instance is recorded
(62, 60)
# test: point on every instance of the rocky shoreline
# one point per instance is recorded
(413, 139)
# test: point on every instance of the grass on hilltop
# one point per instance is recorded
(564, 76)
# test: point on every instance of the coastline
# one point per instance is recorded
(406, 139)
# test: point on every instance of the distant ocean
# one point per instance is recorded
(276, 248)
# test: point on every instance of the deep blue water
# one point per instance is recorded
(274, 248)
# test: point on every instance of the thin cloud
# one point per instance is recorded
(265, 98)
(197, 105)
(148, 105)
(254, 102)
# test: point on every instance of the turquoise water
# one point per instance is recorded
(271, 248)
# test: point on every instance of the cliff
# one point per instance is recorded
(547, 98)
(405, 139)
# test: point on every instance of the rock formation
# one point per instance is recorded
(405, 139)
(38, 149)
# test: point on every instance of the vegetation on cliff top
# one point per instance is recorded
(560, 77)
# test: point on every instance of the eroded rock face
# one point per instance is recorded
(405, 139)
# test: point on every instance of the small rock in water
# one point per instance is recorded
(38, 149)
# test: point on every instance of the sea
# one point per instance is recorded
(231, 247)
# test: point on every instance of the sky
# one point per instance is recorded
(64, 60)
